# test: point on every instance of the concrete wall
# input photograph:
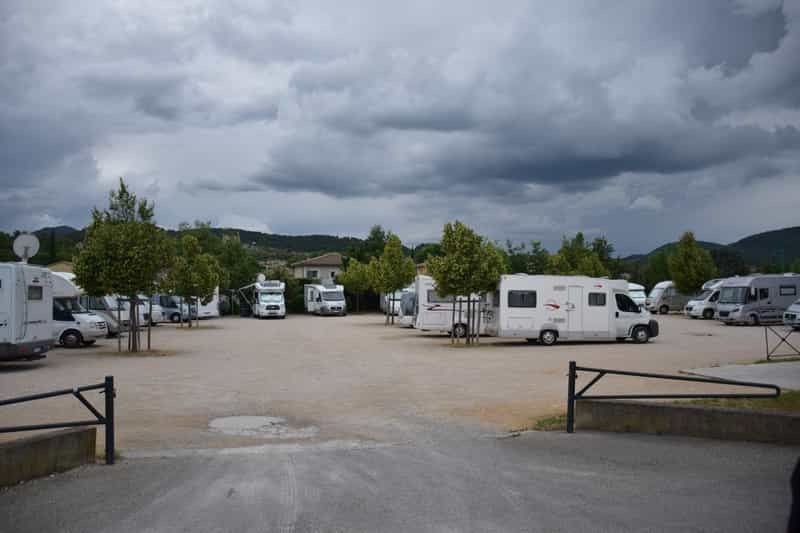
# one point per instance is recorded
(40, 455)
(694, 421)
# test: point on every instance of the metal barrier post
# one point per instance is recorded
(571, 398)
(109, 392)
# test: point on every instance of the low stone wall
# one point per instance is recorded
(689, 420)
(40, 455)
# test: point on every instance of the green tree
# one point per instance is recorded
(470, 264)
(657, 269)
(370, 247)
(124, 252)
(194, 274)
(729, 262)
(577, 258)
(538, 258)
(392, 271)
(690, 265)
(356, 279)
(426, 250)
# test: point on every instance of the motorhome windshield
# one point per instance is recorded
(656, 293)
(636, 294)
(333, 296)
(733, 295)
(703, 295)
(69, 304)
(270, 297)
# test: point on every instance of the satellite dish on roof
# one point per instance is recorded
(26, 245)
(261, 278)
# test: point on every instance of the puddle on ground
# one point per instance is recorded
(268, 427)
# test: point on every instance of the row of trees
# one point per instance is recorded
(125, 252)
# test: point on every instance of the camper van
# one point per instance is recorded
(211, 309)
(73, 324)
(324, 299)
(757, 299)
(791, 317)
(637, 294)
(435, 312)
(106, 308)
(26, 310)
(269, 299)
(174, 309)
(569, 308)
(704, 304)
(664, 297)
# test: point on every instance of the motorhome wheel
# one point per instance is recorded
(752, 320)
(548, 338)
(641, 335)
(708, 314)
(71, 338)
(175, 318)
(663, 310)
(460, 330)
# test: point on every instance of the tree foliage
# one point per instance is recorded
(577, 258)
(124, 252)
(690, 266)
(194, 274)
(393, 270)
(356, 279)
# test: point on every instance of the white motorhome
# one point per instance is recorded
(154, 310)
(106, 308)
(407, 313)
(757, 299)
(791, 317)
(637, 294)
(73, 324)
(26, 310)
(269, 299)
(211, 309)
(574, 308)
(174, 309)
(664, 297)
(324, 299)
(435, 312)
(704, 304)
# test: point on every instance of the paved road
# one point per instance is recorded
(449, 482)
(785, 374)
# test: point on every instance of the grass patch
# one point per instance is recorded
(789, 402)
(140, 353)
(550, 423)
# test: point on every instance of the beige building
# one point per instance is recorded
(324, 268)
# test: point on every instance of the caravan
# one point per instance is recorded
(665, 298)
(26, 310)
(435, 312)
(211, 309)
(553, 308)
(73, 324)
(757, 299)
(324, 299)
(704, 304)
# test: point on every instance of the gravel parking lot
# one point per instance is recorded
(346, 378)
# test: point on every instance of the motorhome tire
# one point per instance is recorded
(460, 330)
(640, 335)
(663, 310)
(175, 318)
(548, 337)
(708, 314)
(752, 320)
(620, 339)
(71, 339)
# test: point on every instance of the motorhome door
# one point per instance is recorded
(575, 312)
(626, 314)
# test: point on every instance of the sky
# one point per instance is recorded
(527, 120)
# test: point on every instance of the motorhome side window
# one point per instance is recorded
(597, 299)
(787, 290)
(35, 292)
(435, 298)
(763, 294)
(522, 298)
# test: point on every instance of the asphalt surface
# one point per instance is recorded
(785, 374)
(446, 482)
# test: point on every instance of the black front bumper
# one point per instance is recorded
(653, 326)
(29, 351)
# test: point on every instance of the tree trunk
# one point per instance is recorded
(453, 323)
(149, 322)
(119, 325)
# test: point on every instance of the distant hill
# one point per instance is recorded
(298, 244)
(780, 246)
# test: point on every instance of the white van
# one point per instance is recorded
(435, 312)
(26, 310)
(553, 308)
(324, 299)
(73, 324)
(664, 297)
(757, 300)
(704, 304)
(637, 294)
(791, 317)
(269, 299)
